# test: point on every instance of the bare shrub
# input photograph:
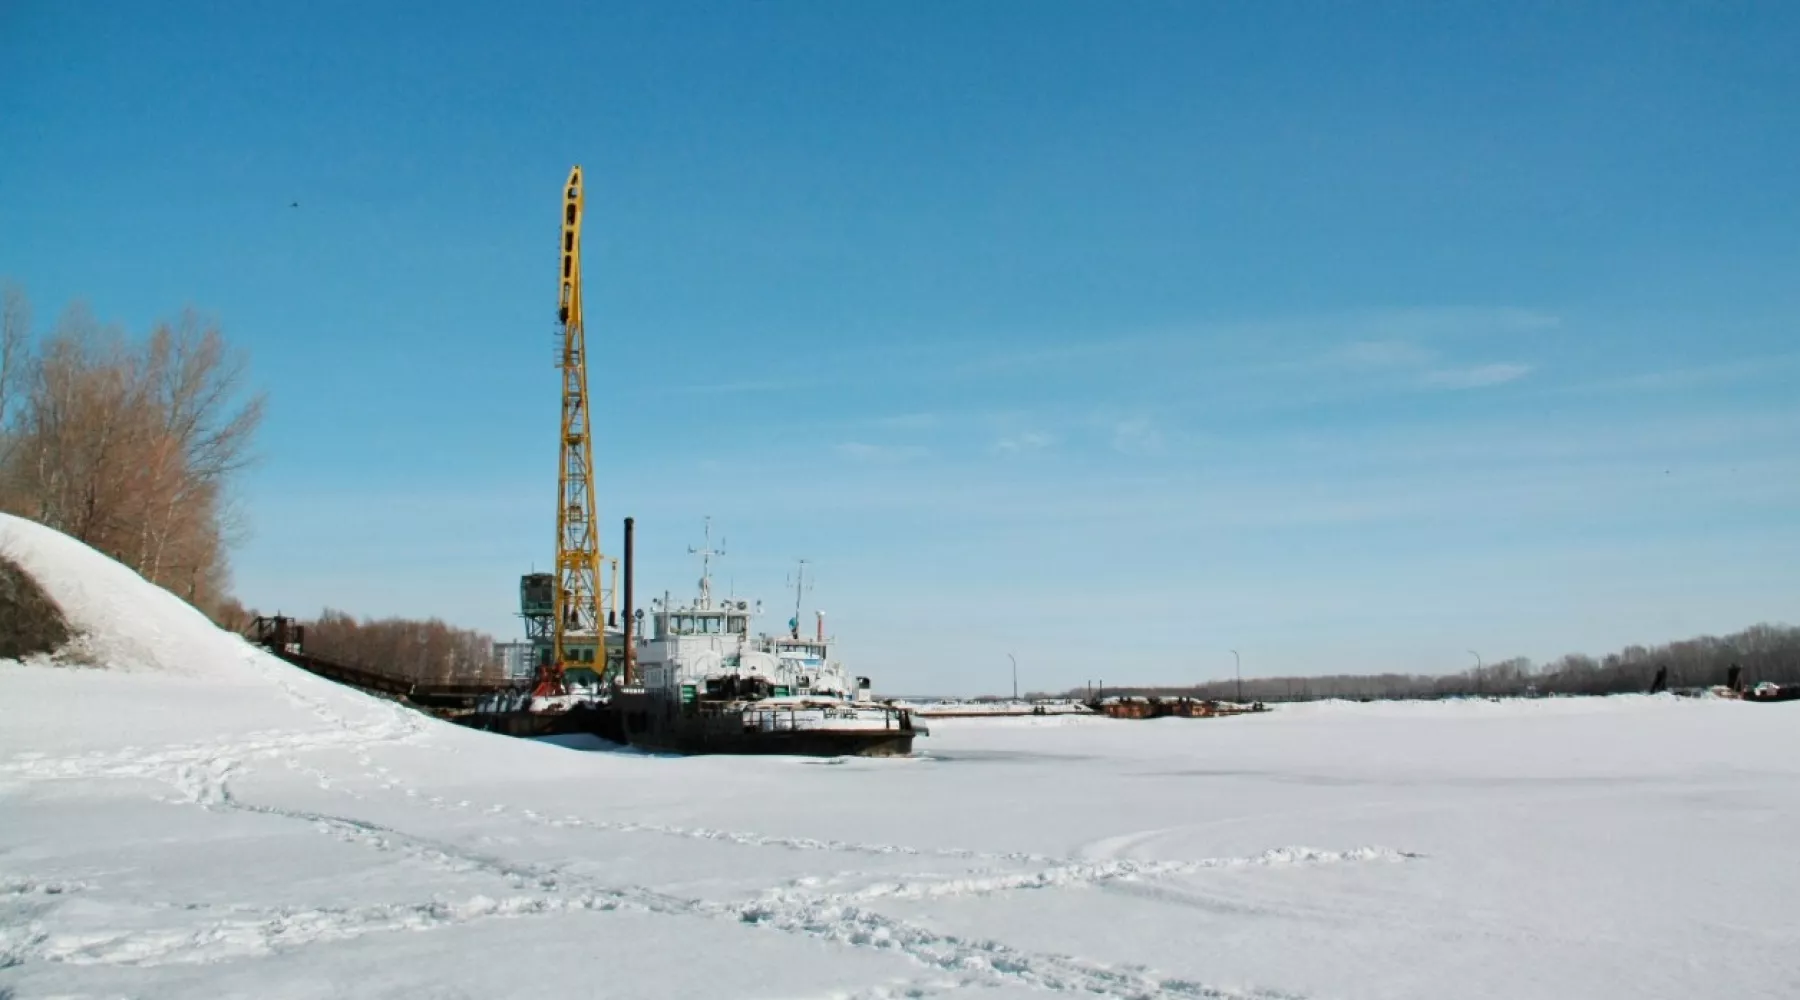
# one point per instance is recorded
(30, 622)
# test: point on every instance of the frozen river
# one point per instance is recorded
(203, 821)
(171, 837)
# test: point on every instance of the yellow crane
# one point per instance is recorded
(579, 634)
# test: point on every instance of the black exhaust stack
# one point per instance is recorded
(630, 607)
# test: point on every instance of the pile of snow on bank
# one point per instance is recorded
(120, 620)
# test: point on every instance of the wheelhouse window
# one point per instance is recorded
(702, 624)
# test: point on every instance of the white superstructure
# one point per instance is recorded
(703, 657)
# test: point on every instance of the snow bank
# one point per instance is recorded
(122, 621)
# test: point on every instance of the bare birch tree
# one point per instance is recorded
(15, 364)
(131, 448)
(15, 329)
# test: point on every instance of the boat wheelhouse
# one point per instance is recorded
(703, 683)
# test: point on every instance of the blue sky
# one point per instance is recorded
(1110, 335)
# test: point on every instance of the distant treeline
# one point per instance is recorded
(1764, 652)
(428, 651)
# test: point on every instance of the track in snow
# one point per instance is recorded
(796, 908)
(202, 775)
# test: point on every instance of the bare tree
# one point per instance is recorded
(131, 448)
(194, 383)
(15, 329)
(80, 429)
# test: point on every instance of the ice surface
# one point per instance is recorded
(203, 820)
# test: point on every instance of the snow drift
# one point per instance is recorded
(120, 620)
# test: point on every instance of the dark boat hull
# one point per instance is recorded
(654, 724)
(803, 744)
(525, 723)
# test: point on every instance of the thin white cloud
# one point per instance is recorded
(1023, 360)
(1137, 436)
(1478, 376)
(908, 421)
(747, 385)
(1459, 321)
(1370, 340)
(1383, 354)
(863, 451)
(1023, 442)
(1746, 369)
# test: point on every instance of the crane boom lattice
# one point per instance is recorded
(579, 632)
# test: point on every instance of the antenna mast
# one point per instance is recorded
(706, 553)
(577, 596)
(800, 589)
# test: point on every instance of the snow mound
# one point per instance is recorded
(121, 620)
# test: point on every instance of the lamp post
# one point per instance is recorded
(1015, 663)
(1477, 657)
(1237, 665)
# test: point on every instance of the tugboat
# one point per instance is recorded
(700, 683)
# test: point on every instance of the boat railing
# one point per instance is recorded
(788, 718)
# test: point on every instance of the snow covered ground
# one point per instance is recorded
(204, 821)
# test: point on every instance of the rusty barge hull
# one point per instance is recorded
(1182, 708)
